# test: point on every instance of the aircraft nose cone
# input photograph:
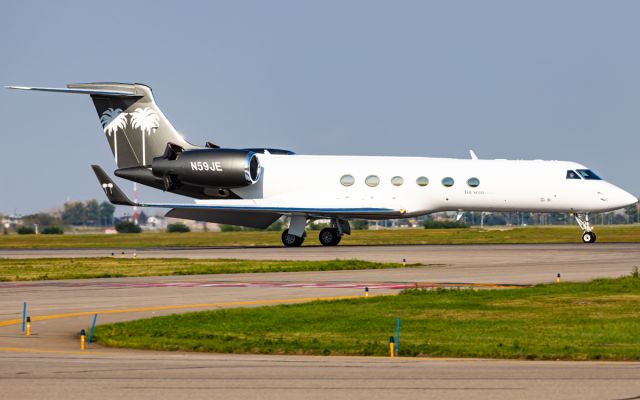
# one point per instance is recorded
(624, 198)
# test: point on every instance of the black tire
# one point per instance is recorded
(338, 239)
(588, 237)
(291, 240)
(329, 237)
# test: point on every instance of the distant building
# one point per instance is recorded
(155, 223)
(126, 218)
(11, 221)
(195, 226)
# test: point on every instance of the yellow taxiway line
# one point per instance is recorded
(177, 307)
(53, 351)
(234, 303)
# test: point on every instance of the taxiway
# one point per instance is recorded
(48, 364)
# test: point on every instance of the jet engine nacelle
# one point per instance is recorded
(214, 168)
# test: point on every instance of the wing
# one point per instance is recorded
(248, 207)
(251, 219)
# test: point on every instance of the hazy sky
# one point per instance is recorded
(509, 79)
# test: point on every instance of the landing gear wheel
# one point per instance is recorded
(589, 237)
(329, 237)
(291, 240)
(583, 222)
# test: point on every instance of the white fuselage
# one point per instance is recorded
(504, 185)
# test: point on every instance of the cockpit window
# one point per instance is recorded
(572, 175)
(588, 174)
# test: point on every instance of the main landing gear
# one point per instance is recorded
(583, 221)
(290, 240)
(330, 237)
(295, 235)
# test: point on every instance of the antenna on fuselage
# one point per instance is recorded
(473, 155)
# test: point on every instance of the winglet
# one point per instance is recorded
(113, 192)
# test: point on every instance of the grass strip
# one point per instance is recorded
(597, 320)
(32, 269)
(567, 234)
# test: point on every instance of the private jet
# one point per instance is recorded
(254, 187)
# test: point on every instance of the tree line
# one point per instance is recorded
(77, 213)
(88, 213)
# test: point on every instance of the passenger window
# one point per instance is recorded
(448, 181)
(422, 181)
(473, 182)
(572, 175)
(372, 181)
(397, 181)
(347, 180)
(588, 174)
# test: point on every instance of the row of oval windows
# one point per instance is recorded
(373, 181)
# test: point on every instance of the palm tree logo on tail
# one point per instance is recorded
(147, 120)
(112, 120)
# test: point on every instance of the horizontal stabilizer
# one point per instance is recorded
(113, 192)
(135, 128)
(98, 92)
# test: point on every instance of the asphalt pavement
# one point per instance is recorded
(48, 364)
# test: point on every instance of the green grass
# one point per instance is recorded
(31, 269)
(569, 321)
(568, 234)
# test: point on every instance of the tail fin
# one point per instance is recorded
(136, 129)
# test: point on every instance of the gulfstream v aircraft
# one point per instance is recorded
(254, 187)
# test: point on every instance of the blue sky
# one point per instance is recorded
(509, 79)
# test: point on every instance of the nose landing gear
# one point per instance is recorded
(588, 237)
(583, 222)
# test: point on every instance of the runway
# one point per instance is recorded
(49, 365)
(152, 375)
(519, 264)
